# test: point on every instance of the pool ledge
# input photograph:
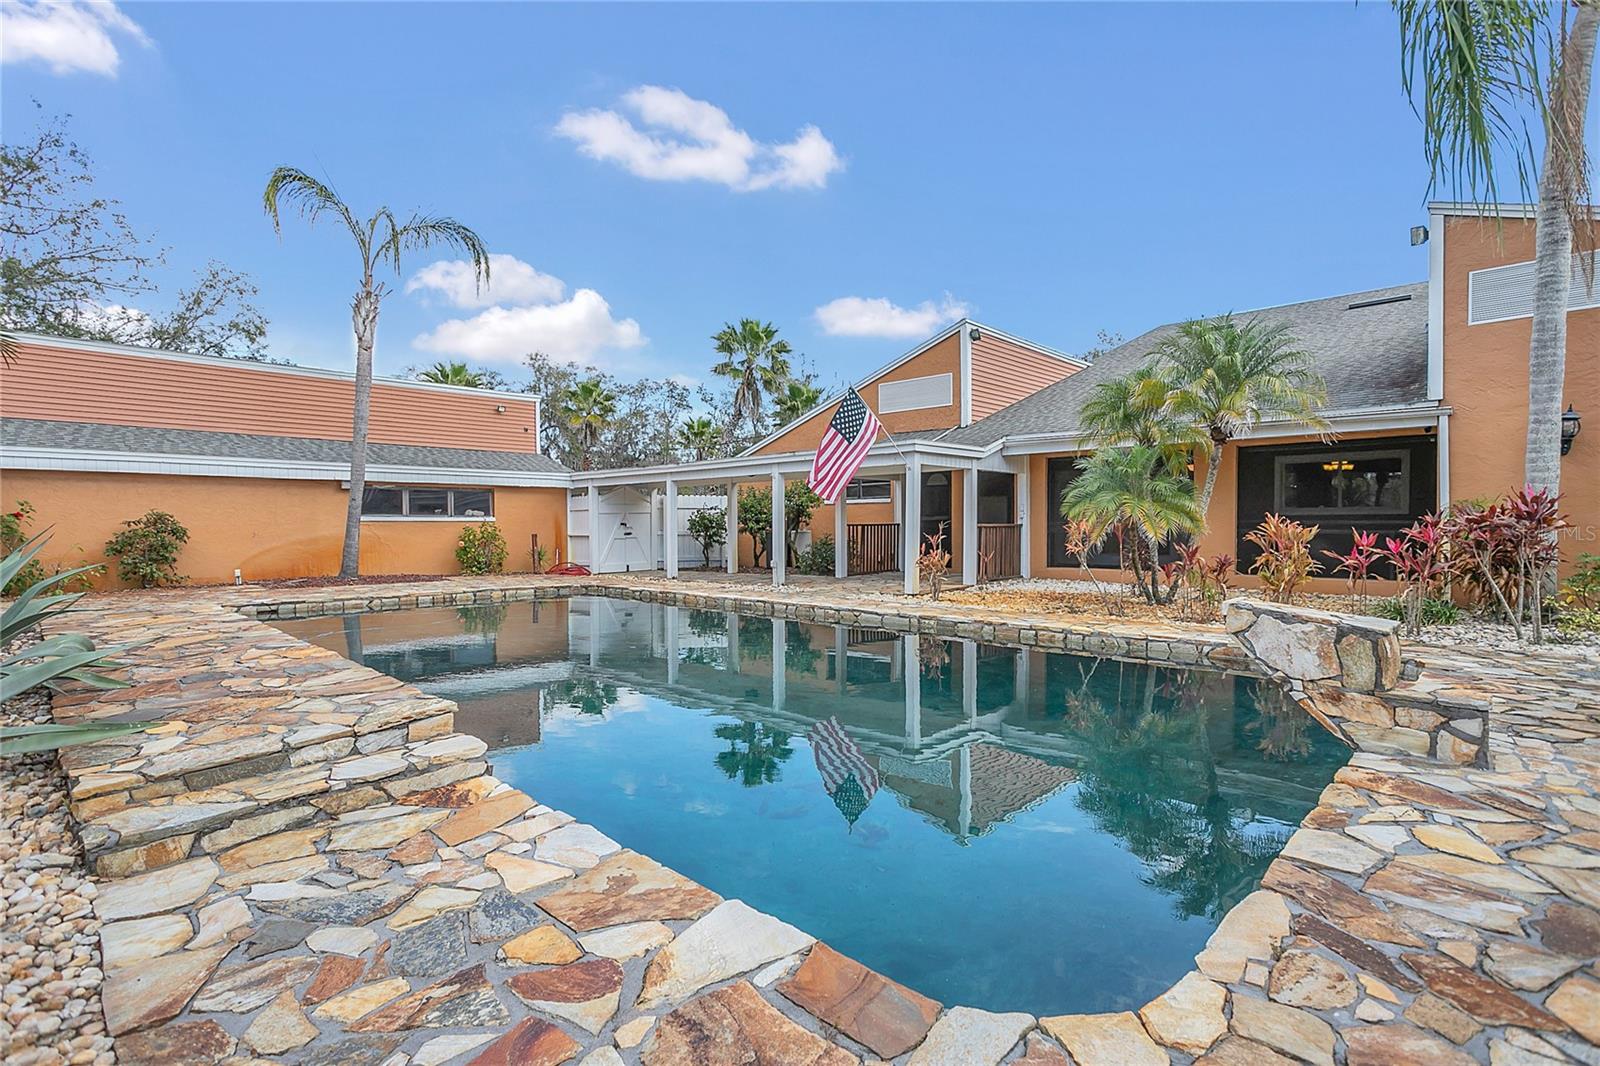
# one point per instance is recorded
(305, 863)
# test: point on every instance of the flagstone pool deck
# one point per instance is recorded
(305, 863)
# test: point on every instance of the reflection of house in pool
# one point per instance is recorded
(970, 791)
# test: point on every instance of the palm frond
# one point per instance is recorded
(289, 187)
(427, 231)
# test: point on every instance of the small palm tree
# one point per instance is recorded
(757, 362)
(1228, 377)
(1136, 408)
(380, 240)
(797, 398)
(458, 374)
(1472, 70)
(700, 437)
(589, 408)
(1132, 489)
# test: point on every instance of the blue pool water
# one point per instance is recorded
(1012, 830)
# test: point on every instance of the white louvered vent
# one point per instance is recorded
(914, 394)
(1505, 292)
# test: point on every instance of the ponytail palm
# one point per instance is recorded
(381, 241)
(1132, 489)
(1227, 378)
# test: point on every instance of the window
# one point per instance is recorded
(1344, 483)
(387, 501)
(868, 489)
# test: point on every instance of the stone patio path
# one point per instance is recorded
(305, 863)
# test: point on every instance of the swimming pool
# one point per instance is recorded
(1004, 828)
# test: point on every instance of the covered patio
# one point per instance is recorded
(974, 498)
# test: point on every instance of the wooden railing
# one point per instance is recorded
(999, 551)
(874, 547)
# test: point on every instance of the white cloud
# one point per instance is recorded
(684, 139)
(511, 281)
(574, 330)
(80, 35)
(862, 316)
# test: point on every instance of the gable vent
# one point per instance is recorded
(1506, 292)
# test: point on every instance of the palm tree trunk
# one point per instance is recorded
(1213, 460)
(1559, 185)
(364, 315)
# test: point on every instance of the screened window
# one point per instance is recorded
(1344, 483)
(385, 501)
(863, 488)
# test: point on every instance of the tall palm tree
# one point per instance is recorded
(1227, 378)
(454, 373)
(380, 240)
(1469, 69)
(700, 437)
(797, 398)
(1134, 490)
(756, 361)
(589, 408)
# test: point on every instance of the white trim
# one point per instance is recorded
(966, 377)
(71, 344)
(424, 518)
(12, 458)
(1511, 210)
(1436, 230)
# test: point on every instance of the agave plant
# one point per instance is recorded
(52, 661)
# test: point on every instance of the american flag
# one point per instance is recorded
(850, 435)
(847, 775)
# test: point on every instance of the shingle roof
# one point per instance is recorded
(102, 437)
(1370, 347)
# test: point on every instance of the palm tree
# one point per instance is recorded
(589, 408)
(700, 437)
(757, 363)
(1227, 378)
(1136, 408)
(453, 373)
(1133, 489)
(381, 240)
(1469, 68)
(798, 397)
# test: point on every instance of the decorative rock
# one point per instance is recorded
(1237, 1051)
(1106, 1039)
(1303, 651)
(281, 1027)
(734, 1026)
(577, 845)
(499, 915)
(442, 1049)
(545, 945)
(1293, 1032)
(626, 941)
(1370, 1010)
(479, 818)
(156, 989)
(342, 908)
(520, 874)
(382, 833)
(1332, 850)
(342, 940)
(1188, 1016)
(585, 993)
(1570, 930)
(464, 1000)
(1456, 841)
(627, 887)
(1304, 979)
(160, 890)
(430, 902)
(219, 920)
(1398, 1045)
(731, 940)
(179, 1044)
(275, 935)
(632, 1034)
(241, 989)
(435, 947)
(1577, 1002)
(1251, 930)
(966, 1036)
(334, 975)
(603, 1056)
(362, 999)
(1521, 965)
(125, 943)
(1431, 1012)
(1485, 1000)
(531, 1042)
(866, 1006)
(1041, 1052)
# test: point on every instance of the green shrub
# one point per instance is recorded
(1582, 588)
(1434, 612)
(709, 527)
(817, 559)
(147, 550)
(481, 549)
(1576, 621)
(15, 531)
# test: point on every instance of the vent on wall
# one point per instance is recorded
(1505, 292)
(915, 394)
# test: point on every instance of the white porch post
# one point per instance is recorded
(779, 534)
(911, 522)
(733, 641)
(730, 550)
(1024, 512)
(911, 673)
(969, 679)
(780, 663)
(969, 526)
(841, 657)
(593, 539)
(669, 530)
(841, 549)
(672, 644)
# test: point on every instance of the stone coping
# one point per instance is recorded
(385, 899)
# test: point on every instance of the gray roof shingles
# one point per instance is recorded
(103, 437)
(1371, 356)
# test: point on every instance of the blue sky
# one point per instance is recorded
(1053, 169)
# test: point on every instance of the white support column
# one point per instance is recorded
(841, 532)
(593, 539)
(969, 526)
(911, 673)
(779, 534)
(669, 530)
(780, 663)
(969, 679)
(911, 523)
(731, 548)
(1024, 494)
(672, 644)
(655, 527)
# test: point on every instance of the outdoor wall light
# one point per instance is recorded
(1571, 424)
(974, 334)
(499, 408)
